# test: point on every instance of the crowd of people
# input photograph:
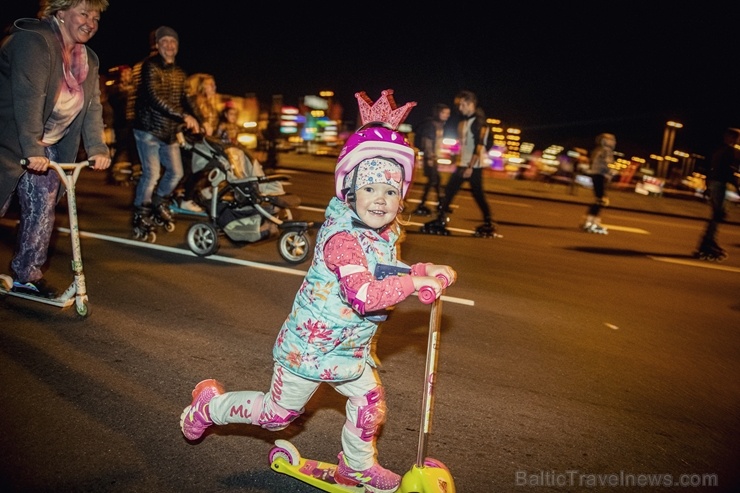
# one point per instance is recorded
(151, 102)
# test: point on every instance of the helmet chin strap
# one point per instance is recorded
(351, 197)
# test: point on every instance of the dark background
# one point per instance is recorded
(561, 74)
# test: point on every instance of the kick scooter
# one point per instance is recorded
(76, 293)
(428, 475)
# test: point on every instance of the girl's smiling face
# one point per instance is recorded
(377, 204)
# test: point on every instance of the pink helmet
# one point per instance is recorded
(374, 140)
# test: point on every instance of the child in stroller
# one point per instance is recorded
(242, 202)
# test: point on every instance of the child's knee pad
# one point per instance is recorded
(275, 417)
(370, 414)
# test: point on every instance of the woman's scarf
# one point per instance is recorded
(71, 96)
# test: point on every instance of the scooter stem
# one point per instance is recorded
(430, 372)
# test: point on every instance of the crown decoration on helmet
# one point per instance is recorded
(383, 110)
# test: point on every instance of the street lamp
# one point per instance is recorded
(669, 136)
(684, 162)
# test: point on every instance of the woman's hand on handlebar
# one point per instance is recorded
(38, 164)
(100, 161)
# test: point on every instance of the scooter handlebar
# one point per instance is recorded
(88, 162)
(427, 295)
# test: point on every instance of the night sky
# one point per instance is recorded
(561, 75)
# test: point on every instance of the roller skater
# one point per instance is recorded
(429, 142)
(723, 169)
(143, 224)
(474, 135)
(601, 157)
(161, 213)
(160, 110)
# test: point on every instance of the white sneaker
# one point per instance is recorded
(191, 206)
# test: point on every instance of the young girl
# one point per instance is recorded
(327, 335)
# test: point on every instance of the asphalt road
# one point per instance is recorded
(568, 361)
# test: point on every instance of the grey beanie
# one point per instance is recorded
(163, 31)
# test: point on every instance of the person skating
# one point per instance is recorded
(723, 170)
(475, 139)
(429, 141)
(160, 107)
(602, 155)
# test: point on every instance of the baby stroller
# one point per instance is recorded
(242, 203)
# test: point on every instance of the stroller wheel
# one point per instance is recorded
(294, 246)
(202, 239)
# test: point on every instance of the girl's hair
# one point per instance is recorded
(51, 7)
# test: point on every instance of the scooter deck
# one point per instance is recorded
(176, 209)
(6, 284)
(316, 473)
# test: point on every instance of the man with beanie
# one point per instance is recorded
(160, 108)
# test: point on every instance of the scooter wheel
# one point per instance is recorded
(431, 462)
(287, 451)
(83, 309)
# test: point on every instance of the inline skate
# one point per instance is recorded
(437, 226)
(143, 224)
(711, 252)
(486, 230)
(593, 225)
(162, 214)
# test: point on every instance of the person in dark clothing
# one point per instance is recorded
(125, 155)
(475, 139)
(429, 138)
(723, 170)
(272, 134)
(160, 109)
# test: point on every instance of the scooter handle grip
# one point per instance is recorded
(427, 295)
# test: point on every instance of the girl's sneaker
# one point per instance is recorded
(196, 418)
(376, 479)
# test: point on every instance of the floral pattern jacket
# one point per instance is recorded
(327, 335)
